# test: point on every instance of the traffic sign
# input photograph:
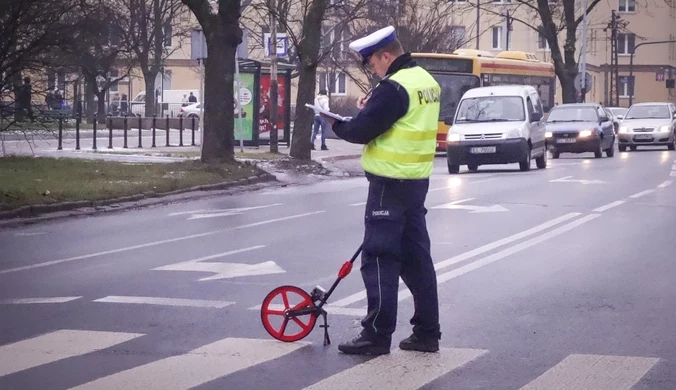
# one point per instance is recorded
(578, 82)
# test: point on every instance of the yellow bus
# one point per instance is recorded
(466, 69)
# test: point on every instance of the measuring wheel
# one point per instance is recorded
(288, 313)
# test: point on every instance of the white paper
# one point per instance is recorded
(327, 113)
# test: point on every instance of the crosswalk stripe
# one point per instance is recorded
(55, 346)
(401, 370)
(196, 367)
(596, 372)
(165, 301)
(29, 301)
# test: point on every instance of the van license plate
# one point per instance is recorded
(566, 141)
(482, 149)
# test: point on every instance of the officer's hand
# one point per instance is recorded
(362, 102)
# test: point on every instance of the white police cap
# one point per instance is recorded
(371, 43)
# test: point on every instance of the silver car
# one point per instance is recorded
(648, 124)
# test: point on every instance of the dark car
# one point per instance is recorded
(580, 128)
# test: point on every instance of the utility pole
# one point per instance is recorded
(614, 72)
(273, 77)
(583, 63)
(478, 18)
(508, 34)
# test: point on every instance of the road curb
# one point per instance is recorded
(35, 213)
(338, 158)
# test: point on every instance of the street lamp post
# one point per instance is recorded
(631, 65)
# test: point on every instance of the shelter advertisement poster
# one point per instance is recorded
(264, 124)
(245, 106)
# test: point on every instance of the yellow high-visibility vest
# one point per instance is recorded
(406, 150)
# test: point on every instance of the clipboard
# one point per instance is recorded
(327, 113)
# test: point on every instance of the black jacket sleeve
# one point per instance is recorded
(388, 103)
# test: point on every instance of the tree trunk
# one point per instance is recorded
(307, 81)
(149, 77)
(101, 108)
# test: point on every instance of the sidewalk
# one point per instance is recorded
(45, 144)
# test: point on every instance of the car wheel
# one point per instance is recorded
(672, 146)
(633, 148)
(623, 148)
(525, 165)
(556, 155)
(610, 152)
(473, 167)
(453, 168)
(598, 153)
(541, 162)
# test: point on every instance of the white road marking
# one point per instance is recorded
(358, 204)
(232, 210)
(593, 372)
(55, 346)
(404, 294)
(330, 309)
(455, 205)
(665, 184)
(151, 244)
(165, 301)
(469, 254)
(642, 193)
(567, 179)
(28, 301)
(609, 206)
(400, 370)
(196, 367)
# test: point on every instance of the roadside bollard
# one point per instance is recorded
(167, 129)
(110, 131)
(94, 132)
(154, 124)
(140, 124)
(125, 132)
(60, 134)
(180, 130)
(77, 131)
(193, 130)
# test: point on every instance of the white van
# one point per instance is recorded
(171, 103)
(497, 125)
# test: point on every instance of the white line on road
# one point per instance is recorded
(54, 346)
(642, 193)
(165, 301)
(400, 370)
(594, 372)
(28, 301)
(469, 254)
(149, 244)
(224, 254)
(233, 210)
(196, 367)
(403, 294)
(609, 206)
(358, 204)
(665, 184)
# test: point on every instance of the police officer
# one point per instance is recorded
(398, 125)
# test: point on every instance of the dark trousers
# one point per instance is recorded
(397, 244)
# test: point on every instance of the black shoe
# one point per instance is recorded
(361, 345)
(413, 343)
(313, 147)
(324, 147)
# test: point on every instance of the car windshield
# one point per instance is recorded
(491, 109)
(648, 112)
(453, 86)
(572, 114)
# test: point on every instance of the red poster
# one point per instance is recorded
(264, 124)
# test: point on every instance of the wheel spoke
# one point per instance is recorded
(300, 323)
(282, 329)
(273, 312)
(301, 305)
(285, 299)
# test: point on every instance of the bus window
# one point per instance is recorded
(453, 86)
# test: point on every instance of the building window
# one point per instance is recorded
(497, 37)
(625, 43)
(626, 86)
(627, 6)
(334, 82)
(168, 35)
(502, 1)
(114, 74)
(458, 35)
(335, 40)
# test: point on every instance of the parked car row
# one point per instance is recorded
(505, 124)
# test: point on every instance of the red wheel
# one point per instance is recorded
(275, 322)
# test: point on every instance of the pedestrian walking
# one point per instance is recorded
(398, 126)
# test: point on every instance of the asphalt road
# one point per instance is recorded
(551, 279)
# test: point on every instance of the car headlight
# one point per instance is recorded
(585, 133)
(664, 129)
(514, 133)
(624, 129)
(548, 134)
(453, 137)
